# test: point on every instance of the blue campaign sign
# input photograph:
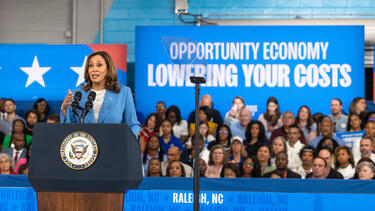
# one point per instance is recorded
(28, 72)
(299, 65)
(222, 200)
(351, 137)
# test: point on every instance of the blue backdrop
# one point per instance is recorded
(29, 72)
(297, 64)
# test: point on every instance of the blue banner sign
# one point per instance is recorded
(350, 137)
(29, 72)
(241, 201)
(300, 65)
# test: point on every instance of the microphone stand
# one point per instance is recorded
(197, 81)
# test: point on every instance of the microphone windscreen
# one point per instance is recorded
(77, 96)
(92, 96)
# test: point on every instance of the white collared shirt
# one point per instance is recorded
(293, 154)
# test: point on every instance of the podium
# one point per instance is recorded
(64, 180)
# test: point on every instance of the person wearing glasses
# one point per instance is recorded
(294, 146)
(288, 120)
(223, 137)
(42, 107)
(216, 162)
(249, 168)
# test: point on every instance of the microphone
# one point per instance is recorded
(89, 104)
(75, 103)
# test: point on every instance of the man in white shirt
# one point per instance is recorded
(294, 147)
(366, 146)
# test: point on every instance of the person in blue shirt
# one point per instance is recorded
(113, 102)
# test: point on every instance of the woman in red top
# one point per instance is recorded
(6, 164)
(149, 129)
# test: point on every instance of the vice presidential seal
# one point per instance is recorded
(79, 150)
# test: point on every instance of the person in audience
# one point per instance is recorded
(53, 118)
(216, 162)
(366, 171)
(306, 123)
(2, 136)
(174, 155)
(230, 170)
(306, 155)
(237, 152)
(370, 132)
(203, 131)
(276, 174)
(249, 168)
(188, 155)
(282, 165)
(22, 160)
(356, 176)
(19, 150)
(325, 129)
(18, 127)
(202, 168)
(150, 128)
(358, 106)
(339, 119)
(32, 117)
(42, 107)
(278, 145)
(10, 109)
(330, 173)
(204, 116)
(316, 117)
(327, 142)
(168, 139)
(23, 169)
(154, 168)
(180, 126)
(255, 135)
(223, 137)
(3, 114)
(161, 109)
(272, 118)
(294, 146)
(239, 128)
(344, 161)
(175, 169)
(354, 123)
(288, 120)
(319, 168)
(215, 115)
(6, 164)
(152, 150)
(263, 156)
(366, 148)
(233, 115)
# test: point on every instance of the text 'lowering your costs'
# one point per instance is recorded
(260, 64)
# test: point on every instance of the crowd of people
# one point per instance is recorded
(277, 145)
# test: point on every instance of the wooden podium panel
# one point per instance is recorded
(76, 201)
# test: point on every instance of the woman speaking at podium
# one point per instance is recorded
(112, 102)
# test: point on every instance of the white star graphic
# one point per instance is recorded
(35, 73)
(81, 72)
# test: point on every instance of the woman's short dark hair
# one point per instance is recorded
(206, 110)
(34, 111)
(307, 148)
(175, 110)
(231, 166)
